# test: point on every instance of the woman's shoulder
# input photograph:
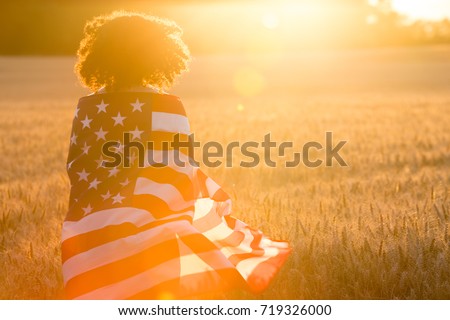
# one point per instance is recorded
(134, 98)
(102, 93)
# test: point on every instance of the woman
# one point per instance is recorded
(142, 225)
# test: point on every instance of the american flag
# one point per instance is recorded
(147, 231)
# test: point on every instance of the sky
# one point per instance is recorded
(423, 9)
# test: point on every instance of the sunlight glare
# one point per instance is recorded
(270, 20)
(419, 9)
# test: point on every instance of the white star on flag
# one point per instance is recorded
(137, 105)
(101, 134)
(106, 196)
(73, 139)
(119, 147)
(87, 210)
(100, 162)
(117, 198)
(136, 133)
(76, 112)
(102, 107)
(86, 148)
(118, 119)
(94, 183)
(83, 175)
(126, 182)
(86, 122)
(113, 172)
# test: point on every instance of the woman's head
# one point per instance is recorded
(126, 49)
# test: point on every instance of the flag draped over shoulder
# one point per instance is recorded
(152, 225)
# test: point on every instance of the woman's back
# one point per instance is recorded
(102, 125)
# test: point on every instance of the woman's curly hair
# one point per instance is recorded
(126, 49)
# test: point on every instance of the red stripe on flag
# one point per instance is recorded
(264, 273)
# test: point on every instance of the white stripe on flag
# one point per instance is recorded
(104, 218)
(192, 264)
(164, 191)
(195, 263)
(247, 266)
(170, 122)
(203, 206)
(218, 233)
(243, 247)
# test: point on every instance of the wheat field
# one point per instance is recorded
(377, 229)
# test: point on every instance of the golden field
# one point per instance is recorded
(378, 229)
